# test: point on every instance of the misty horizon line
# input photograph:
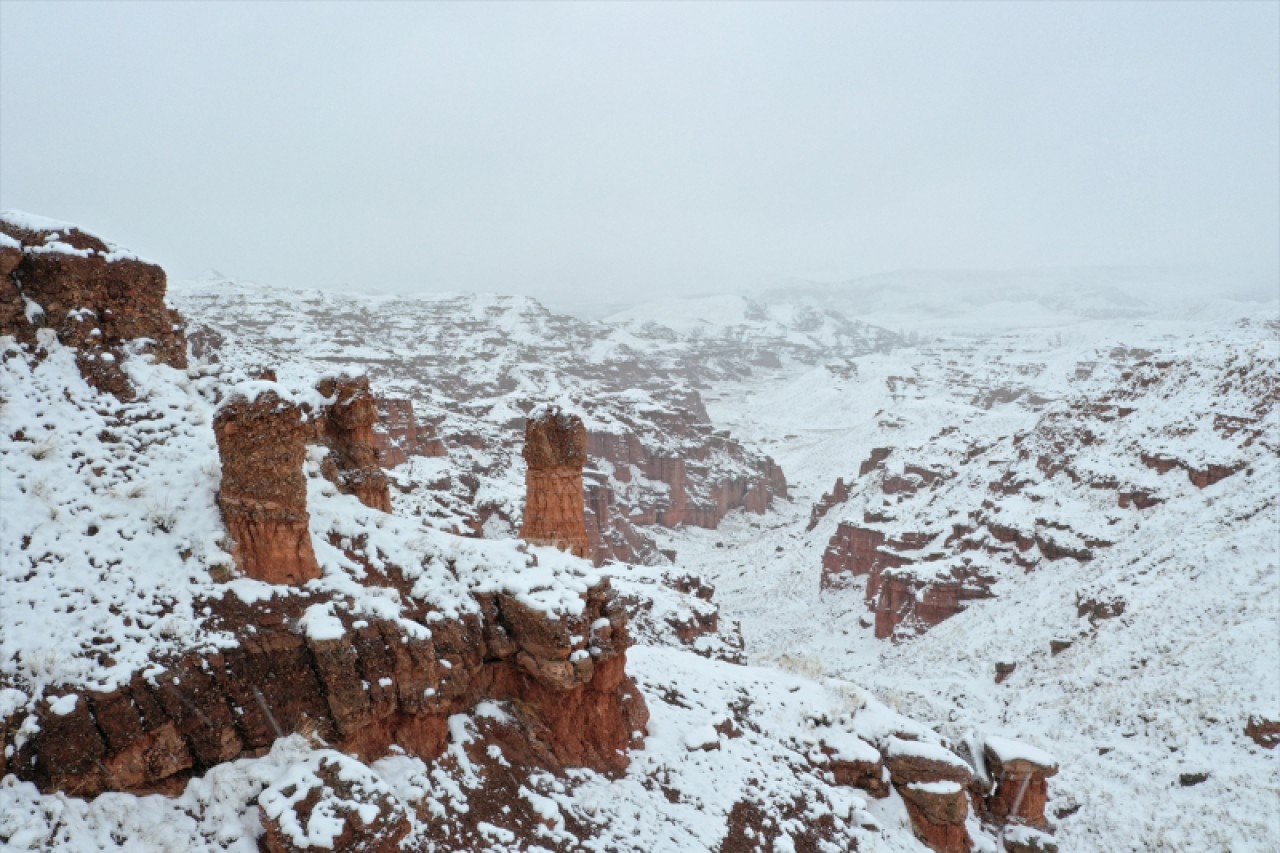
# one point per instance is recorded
(1254, 279)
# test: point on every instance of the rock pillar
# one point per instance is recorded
(262, 443)
(347, 428)
(555, 449)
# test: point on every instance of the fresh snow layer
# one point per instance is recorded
(1136, 701)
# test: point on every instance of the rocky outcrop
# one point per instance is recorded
(897, 590)
(399, 434)
(854, 762)
(345, 425)
(376, 685)
(555, 451)
(97, 298)
(696, 492)
(1201, 478)
(852, 552)
(932, 782)
(610, 533)
(1019, 775)
(1265, 733)
(905, 599)
(839, 494)
(263, 496)
(874, 460)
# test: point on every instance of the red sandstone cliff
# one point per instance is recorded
(96, 297)
(399, 433)
(375, 686)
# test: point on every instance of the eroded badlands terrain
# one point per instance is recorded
(802, 571)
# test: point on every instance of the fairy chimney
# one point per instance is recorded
(555, 449)
(263, 497)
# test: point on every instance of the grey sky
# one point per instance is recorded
(613, 149)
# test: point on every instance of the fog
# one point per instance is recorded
(606, 151)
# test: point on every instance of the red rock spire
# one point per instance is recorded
(555, 449)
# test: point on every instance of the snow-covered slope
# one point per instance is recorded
(114, 559)
(1147, 710)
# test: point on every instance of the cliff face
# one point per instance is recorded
(374, 681)
(399, 434)
(940, 520)
(555, 450)
(239, 665)
(365, 688)
(95, 296)
(654, 458)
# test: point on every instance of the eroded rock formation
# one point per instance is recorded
(555, 451)
(346, 426)
(340, 805)
(694, 494)
(1020, 778)
(97, 298)
(262, 441)
(375, 685)
(932, 782)
(838, 495)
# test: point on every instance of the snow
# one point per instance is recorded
(848, 747)
(1007, 749)
(1164, 689)
(52, 244)
(701, 737)
(319, 623)
(895, 746)
(34, 222)
(943, 787)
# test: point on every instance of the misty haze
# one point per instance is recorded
(640, 427)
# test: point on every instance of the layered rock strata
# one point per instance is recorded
(346, 426)
(555, 451)
(1019, 776)
(693, 494)
(932, 782)
(376, 685)
(95, 296)
(263, 496)
(399, 434)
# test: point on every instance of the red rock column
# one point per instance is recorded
(1021, 783)
(263, 498)
(555, 449)
(347, 425)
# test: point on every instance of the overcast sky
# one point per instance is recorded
(615, 149)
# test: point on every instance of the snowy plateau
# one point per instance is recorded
(948, 561)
